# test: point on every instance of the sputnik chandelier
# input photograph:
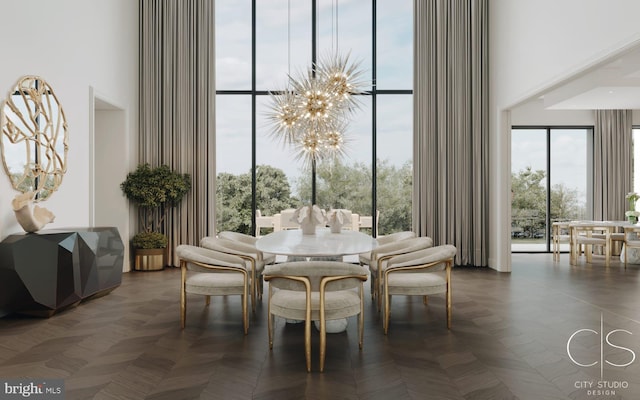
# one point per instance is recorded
(313, 113)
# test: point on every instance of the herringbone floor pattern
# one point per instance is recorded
(508, 341)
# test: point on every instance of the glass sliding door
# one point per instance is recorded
(569, 178)
(528, 189)
(550, 181)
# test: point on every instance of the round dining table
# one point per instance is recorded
(324, 243)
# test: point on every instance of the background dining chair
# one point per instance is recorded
(382, 253)
(418, 273)
(366, 222)
(365, 258)
(588, 236)
(287, 221)
(262, 221)
(559, 234)
(211, 273)
(251, 256)
(249, 240)
(315, 290)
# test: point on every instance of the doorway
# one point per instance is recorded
(109, 162)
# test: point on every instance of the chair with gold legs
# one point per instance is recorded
(252, 257)
(312, 291)
(384, 252)
(211, 273)
(419, 273)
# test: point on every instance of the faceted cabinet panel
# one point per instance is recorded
(44, 272)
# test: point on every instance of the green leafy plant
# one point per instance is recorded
(154, 190)
(149, 240)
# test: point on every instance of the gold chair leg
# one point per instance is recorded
(207, 300)
(245, 312)
(380, 290)
(448, 294)
(361, 319)
(270, 320)
(307, 327)
(245, 319)
(387, 309)
(183, 294)
(323, 342)
(307, 342)
(254, 285)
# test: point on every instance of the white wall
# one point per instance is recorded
(534, 45)
(534, 113)
(72, 44)
(110, 168)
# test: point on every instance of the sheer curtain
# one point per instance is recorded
(612, 163)
(451, 125)
(177, 107)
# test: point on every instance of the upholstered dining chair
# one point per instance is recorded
(252, 257)
(211, 273)
(312, 291)
(588, 236)
(418, 273)
(365, 258)
(382, 253)
(248, 240)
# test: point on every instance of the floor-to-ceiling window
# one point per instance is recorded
(258, 45)
(550, 181)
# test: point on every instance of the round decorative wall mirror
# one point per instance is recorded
(34, 140)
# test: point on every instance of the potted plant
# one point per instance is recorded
(154, 190)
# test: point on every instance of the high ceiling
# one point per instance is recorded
(613, 84)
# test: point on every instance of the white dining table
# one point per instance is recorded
(323, 243)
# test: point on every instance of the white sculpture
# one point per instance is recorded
(309, 217)
(31, 218)
(336, 219)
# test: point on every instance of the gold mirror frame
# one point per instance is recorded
(34, 140)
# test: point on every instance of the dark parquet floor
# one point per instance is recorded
(508, 341)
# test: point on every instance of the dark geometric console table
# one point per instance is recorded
(44, 272)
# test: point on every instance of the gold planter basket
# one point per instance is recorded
(150, 259)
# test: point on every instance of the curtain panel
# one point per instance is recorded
(177, 107)
(612, 163)
(451, 126)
